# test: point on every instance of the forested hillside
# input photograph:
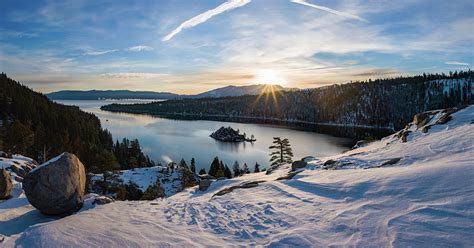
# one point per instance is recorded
(389, 103)
(34, 126)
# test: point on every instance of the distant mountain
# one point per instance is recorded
(128, 94)
(238, 91)
(109, 94)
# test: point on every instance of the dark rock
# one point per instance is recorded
(391, 161)
(329, 162)
(242, 186)
(6, 184)
(426, 128)
(404, 135)
(206, 176)
(290, 175)
(361, 143)
(228, 134)
(102, 200)
(57, 187)
(298, 165)
(421, 119)
(204, 184)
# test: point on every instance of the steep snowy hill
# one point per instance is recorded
(414, 188)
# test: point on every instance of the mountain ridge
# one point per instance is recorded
(230, 90)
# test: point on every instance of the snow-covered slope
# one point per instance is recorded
(424, 197)
(170, 180)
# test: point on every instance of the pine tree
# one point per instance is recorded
(282, 153)
(227, 172)
(182, 164)
(215, 167)
(202, 171)
(193, 166)
(246, 169)
(236, 169)
(257, 168)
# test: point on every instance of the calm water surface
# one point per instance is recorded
(166, 139)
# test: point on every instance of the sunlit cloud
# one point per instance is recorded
(323, 8)
(201, 18)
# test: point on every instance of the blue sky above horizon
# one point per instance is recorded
(189, 46)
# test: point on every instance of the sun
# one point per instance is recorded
(269, 77)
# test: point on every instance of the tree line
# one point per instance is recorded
(34, 126)
(388, 103)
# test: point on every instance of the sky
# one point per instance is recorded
(190, 46)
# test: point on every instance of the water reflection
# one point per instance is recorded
(163, 139)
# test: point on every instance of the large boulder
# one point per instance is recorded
(57, 187)
(298, 165)
(6, 184)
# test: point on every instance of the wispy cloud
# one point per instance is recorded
(201, 18)
(132, 75)
(97, 53)
(339, 13)
(457, 63)
(140, 48)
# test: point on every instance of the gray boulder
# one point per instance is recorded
(204, 184)
(298, 165)
(57, 187)
(6, 184)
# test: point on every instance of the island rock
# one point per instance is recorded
(228, 134)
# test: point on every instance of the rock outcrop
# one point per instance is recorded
(228, 134)
(57, 187)
(298, 165)
(6, 184)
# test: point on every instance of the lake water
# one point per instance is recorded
(167, 139)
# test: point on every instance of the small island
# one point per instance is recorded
(228, 134)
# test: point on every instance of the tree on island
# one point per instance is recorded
(282, 152)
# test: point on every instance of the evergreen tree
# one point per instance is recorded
(282, 153)
(182, 164)
(193, 166)
(246, 169)
(257, 168)
(19, 138)
(215, 167)
(153, 191)
(202, 171)
(188, 178)
(236, 169)
(227, 172)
